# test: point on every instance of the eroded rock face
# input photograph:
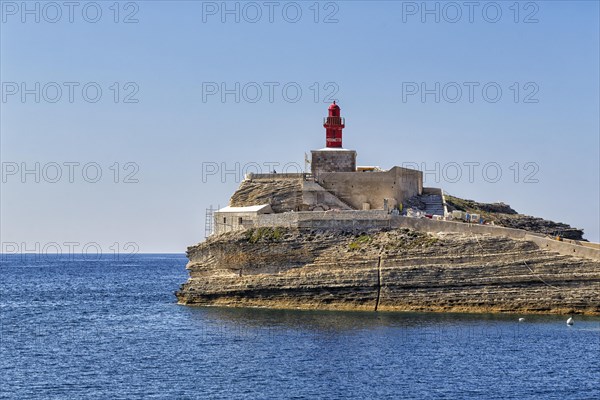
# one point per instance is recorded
(455, 203)
(282, 194)
(387, 270)
(503, 215)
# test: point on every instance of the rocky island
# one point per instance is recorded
(357, 238)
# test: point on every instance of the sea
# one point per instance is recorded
(72, 327)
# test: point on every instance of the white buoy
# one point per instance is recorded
(521, 319)
(570, 321)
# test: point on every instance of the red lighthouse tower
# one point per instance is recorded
(333, 125)
(333, 158)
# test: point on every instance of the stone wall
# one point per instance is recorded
(341, 220)
(229, 222)
(357, 188)
(333, 161)
(316, 198)
(276, 176)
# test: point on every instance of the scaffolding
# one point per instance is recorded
(209, 221)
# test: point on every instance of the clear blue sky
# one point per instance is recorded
(375, 57)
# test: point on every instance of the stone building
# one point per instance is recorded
(334, 168)
(335, 183)
(229, 218)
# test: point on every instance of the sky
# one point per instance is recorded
(122, 122)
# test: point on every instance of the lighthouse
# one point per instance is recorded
(333, 125)
(333, 158)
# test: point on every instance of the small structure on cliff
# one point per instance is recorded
(334, 168)
(334, 239)
(335, 183)
(237, 218)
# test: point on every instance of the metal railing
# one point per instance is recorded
(334, 121)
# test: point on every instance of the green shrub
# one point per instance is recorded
(264, 234)
(359, 242)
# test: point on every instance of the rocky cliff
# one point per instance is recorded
(503, 215)
(387, 270)
(282, 194)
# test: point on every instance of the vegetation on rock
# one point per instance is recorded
(255, 235)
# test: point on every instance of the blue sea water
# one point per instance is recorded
(72, 328)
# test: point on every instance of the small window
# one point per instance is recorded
(224, 220)
(240, 220)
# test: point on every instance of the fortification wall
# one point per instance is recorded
(316, 198)
(564, 248)
(269, 177)
(364, 220)
(357, 188)
(325, 219)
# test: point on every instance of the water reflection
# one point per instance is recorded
(348, 321)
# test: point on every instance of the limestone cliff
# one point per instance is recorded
(388, 270)
(504, 215)
(282, 194)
